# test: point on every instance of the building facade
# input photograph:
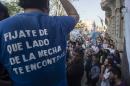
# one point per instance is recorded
(117, 20)
(126, 61)
(114, 21)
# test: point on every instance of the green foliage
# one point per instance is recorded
(12, 7)
(55, 7)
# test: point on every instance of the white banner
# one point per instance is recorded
(127, 29)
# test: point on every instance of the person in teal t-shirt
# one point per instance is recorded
(33, 44)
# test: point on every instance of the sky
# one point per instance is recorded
(89, 10)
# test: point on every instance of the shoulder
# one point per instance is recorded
(9, 20)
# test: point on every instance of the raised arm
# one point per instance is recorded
(70, 10)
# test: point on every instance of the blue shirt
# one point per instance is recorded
(33, 48)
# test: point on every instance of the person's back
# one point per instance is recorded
(33, 48)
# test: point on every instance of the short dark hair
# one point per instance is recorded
(39, 4)
(80, 51)
(3, 11)
(116, 71)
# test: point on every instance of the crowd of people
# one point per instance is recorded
(97, 57)
(100, 61)
(33, 44)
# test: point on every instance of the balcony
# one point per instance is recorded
(106, 4)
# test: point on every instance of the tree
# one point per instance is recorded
(12, 7)
(55, 7)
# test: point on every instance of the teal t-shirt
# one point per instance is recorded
(33, 48)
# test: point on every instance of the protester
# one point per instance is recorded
(105, 44)
(116, 77)
(34, 51)
(88, 64)
(106, 58)
(95, 71)
(117, 58)
(75, 69)
(112, 48)
(102, 55)
(105, 72)
(33, 44)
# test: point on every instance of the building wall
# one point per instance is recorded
(118, 24)
(114, 21)
(126, 61)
